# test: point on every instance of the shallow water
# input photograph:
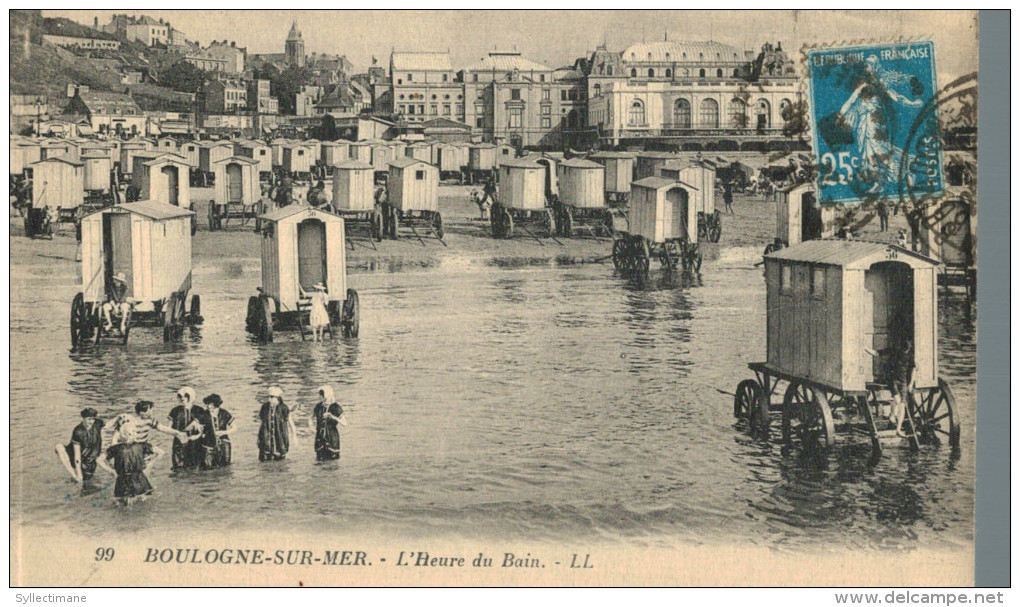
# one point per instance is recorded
(489, 398)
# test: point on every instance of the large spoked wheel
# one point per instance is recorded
(807, 418)
(692, 258)
(350, 322)
(81, 321)
(669, 255)
(619, 253)
(749, 404)
(934, 414)
(437, 225)
(644, 255)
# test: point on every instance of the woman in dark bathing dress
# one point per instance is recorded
(133, 452)
(328, 414)
(277, 429)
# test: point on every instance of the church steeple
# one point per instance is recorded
(295, 46)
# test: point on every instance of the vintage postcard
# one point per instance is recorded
(492, 298)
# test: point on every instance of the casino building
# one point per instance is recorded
(691, 95)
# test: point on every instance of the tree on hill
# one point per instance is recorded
(182, 76)
(285, 85)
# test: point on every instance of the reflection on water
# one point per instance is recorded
(491, 398)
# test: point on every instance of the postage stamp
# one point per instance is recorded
(874, 122)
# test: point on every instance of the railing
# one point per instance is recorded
(675, 130)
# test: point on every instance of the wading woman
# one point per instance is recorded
(276, 431)
(132, 452)
(328, 414)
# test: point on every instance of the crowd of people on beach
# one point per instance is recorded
(201, 434)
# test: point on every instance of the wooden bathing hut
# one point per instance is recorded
(799, 218)
(647, 164)
(451, 160)
(56, 148)
(838, 312)
(481, 162)
(354, 197)
(190, 151)
(521, 199)
(301, 247)
(381, 155)
(58, 183)
(412, 198)
(149, 243)
(549, 162)
(97, 170)
(261, 153)
(298, 159)
(422, 150)
(236, 192)
(581, 203)
(702, 176)
(163, 178)
(211, 152)
(619, 175)
(662, 223)
(399, 149)
(333, 152)
(167, 144)
(128, 149)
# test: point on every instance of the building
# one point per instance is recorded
(328, 70)
(305, 100)
(28, 111)
(259, 99)
(177, 38)
(346, 98)
(148, 31)
(204, 60)
(515, 100)
(294, 47)
(225, 95)
(690, 94)
(232, 55)
(112, 113)
(423, 86)
(72, 43)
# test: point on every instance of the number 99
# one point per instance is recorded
(104, 554)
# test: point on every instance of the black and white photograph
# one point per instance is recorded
(492, 298)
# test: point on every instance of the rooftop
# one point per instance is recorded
(424, 61)
(507, 62)
(682, 51)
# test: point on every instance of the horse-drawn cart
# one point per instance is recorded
(147, 244)
(662, 220)
(838, 312)
(302, 247)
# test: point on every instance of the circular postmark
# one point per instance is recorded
(938, 187)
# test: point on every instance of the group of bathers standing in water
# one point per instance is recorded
(201, 438)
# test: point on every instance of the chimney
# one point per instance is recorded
(95, 23)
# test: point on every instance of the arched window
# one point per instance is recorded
(738, 113)
(637, 112)
(786, 110)
(763, 114)
(736, 72)
(598, 90)
(633, 72)
(701, 72)
(708, 114)
(609, 70)
(669, 73)
(682, 114)
(651, 73)
(718, 73)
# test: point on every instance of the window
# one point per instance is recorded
(637, 113)
(701, 73)
(818, 282)
(738, 113)
(669, 73)
(785, 274)
(609, 70)
(546, 94)
(718, 73)
(479, 122)
(682, 114)
(419, 175)
(434, 109)
(651, 73)
(598, 90)
(515, 94)
(516, 114)
(785, 110)
(708, 114)
(633, 73)
(434, 96)
(563, 94)
(410, 77)
(410, 110)
(474, 77)
(446, 96)
(546, 122)
(400, 81)
(546, 109)
(446, 109)
(541, 77)
(444, 77)
(736, 72)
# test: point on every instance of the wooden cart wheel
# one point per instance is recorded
(807, 417)
(694, 258)
(80, 322)
(747, 404)
(437, 225)
(935, 416)
(251, 317)
(508, 224)
(351, 322)
(702, 227)
(265, 321)
(619, 253)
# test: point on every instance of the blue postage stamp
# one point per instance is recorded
(874, 120)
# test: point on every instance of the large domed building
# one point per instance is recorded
(690, 92)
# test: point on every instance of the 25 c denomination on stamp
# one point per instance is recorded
(871, 116)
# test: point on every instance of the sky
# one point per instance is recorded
(556, 38)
